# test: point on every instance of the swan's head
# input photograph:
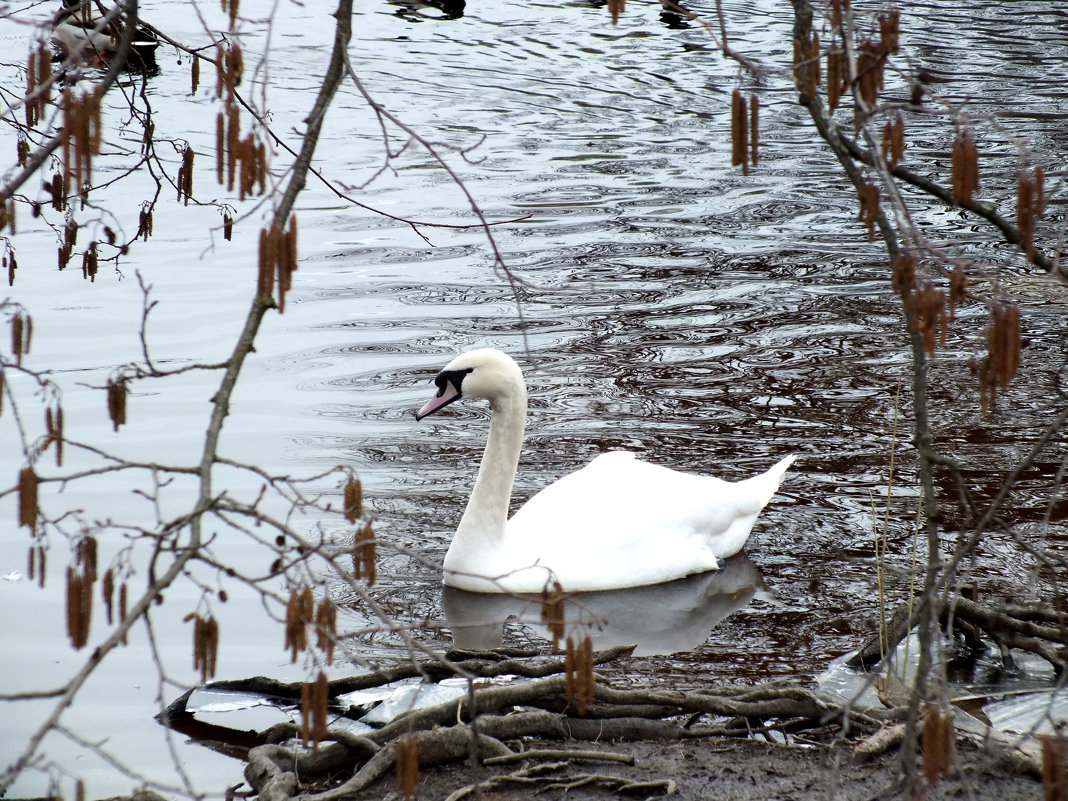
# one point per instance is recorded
(484, 373)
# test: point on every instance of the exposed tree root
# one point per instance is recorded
(477, 726)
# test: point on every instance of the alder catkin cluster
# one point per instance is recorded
(81, 576)
(205, 645)
(81, 137)
(1003, 346)
(277, 261)
(894, 141)
(314, 700)
(38, 88)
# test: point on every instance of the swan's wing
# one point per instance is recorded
(638, 522)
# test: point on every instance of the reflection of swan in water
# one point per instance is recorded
(660, 618)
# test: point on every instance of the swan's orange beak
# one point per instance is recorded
(447, 393)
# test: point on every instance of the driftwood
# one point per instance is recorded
(479, 724)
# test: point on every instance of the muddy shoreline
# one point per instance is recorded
(746, 770)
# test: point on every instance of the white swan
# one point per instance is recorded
(618, 522)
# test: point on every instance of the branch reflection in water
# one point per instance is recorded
(659, 619)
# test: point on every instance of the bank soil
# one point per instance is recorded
(740, 769)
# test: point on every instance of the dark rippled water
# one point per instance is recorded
(661, 302)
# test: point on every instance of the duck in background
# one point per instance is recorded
(79, 28)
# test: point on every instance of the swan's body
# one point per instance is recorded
(618, 522)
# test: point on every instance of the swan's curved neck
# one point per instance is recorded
(487, 509)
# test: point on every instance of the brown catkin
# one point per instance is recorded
(220, 146)
(205, 646)
(812, 66)
(326, 628)
(836, 77)
(739, 133)
(220, 71)
(965, 167)
(363, 555)
(194, 75)
(107, 594)
(233, 139)
(28, 508)
(116, 392)
(353, 502)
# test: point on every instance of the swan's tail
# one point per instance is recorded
(775, 474)
(751, 496)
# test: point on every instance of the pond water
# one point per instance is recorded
(661, 302)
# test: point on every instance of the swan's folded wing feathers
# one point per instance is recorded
(620, 504)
